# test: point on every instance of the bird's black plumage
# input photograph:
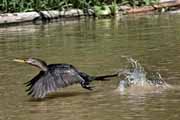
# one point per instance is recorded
(54, 76)
(57, 76)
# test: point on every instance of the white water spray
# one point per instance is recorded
(135, 76)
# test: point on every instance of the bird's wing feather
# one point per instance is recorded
(49, 81)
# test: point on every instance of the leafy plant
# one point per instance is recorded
(114, 7)
(30, 5)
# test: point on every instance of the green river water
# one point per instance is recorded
(95, 47)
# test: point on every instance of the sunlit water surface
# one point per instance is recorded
(94, 47)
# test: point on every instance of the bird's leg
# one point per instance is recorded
(86, 85)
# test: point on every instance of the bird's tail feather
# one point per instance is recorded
(105, 77)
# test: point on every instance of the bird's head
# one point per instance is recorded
(34, 62)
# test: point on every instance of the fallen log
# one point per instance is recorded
(31, 16)
(153, 7)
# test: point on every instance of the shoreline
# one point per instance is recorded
(47, 16)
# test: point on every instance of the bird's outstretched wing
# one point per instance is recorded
(57, 76)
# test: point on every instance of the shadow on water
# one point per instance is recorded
(64, 94)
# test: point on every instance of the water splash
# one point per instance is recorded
(134, 75)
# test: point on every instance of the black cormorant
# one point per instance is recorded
(54, 76)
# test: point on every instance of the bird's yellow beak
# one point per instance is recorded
(20, 60)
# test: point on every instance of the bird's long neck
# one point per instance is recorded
(41, 65)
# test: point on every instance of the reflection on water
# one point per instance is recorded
(94, 47)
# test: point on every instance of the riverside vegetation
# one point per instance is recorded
(12, 6)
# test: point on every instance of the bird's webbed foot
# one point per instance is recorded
(87, 85)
